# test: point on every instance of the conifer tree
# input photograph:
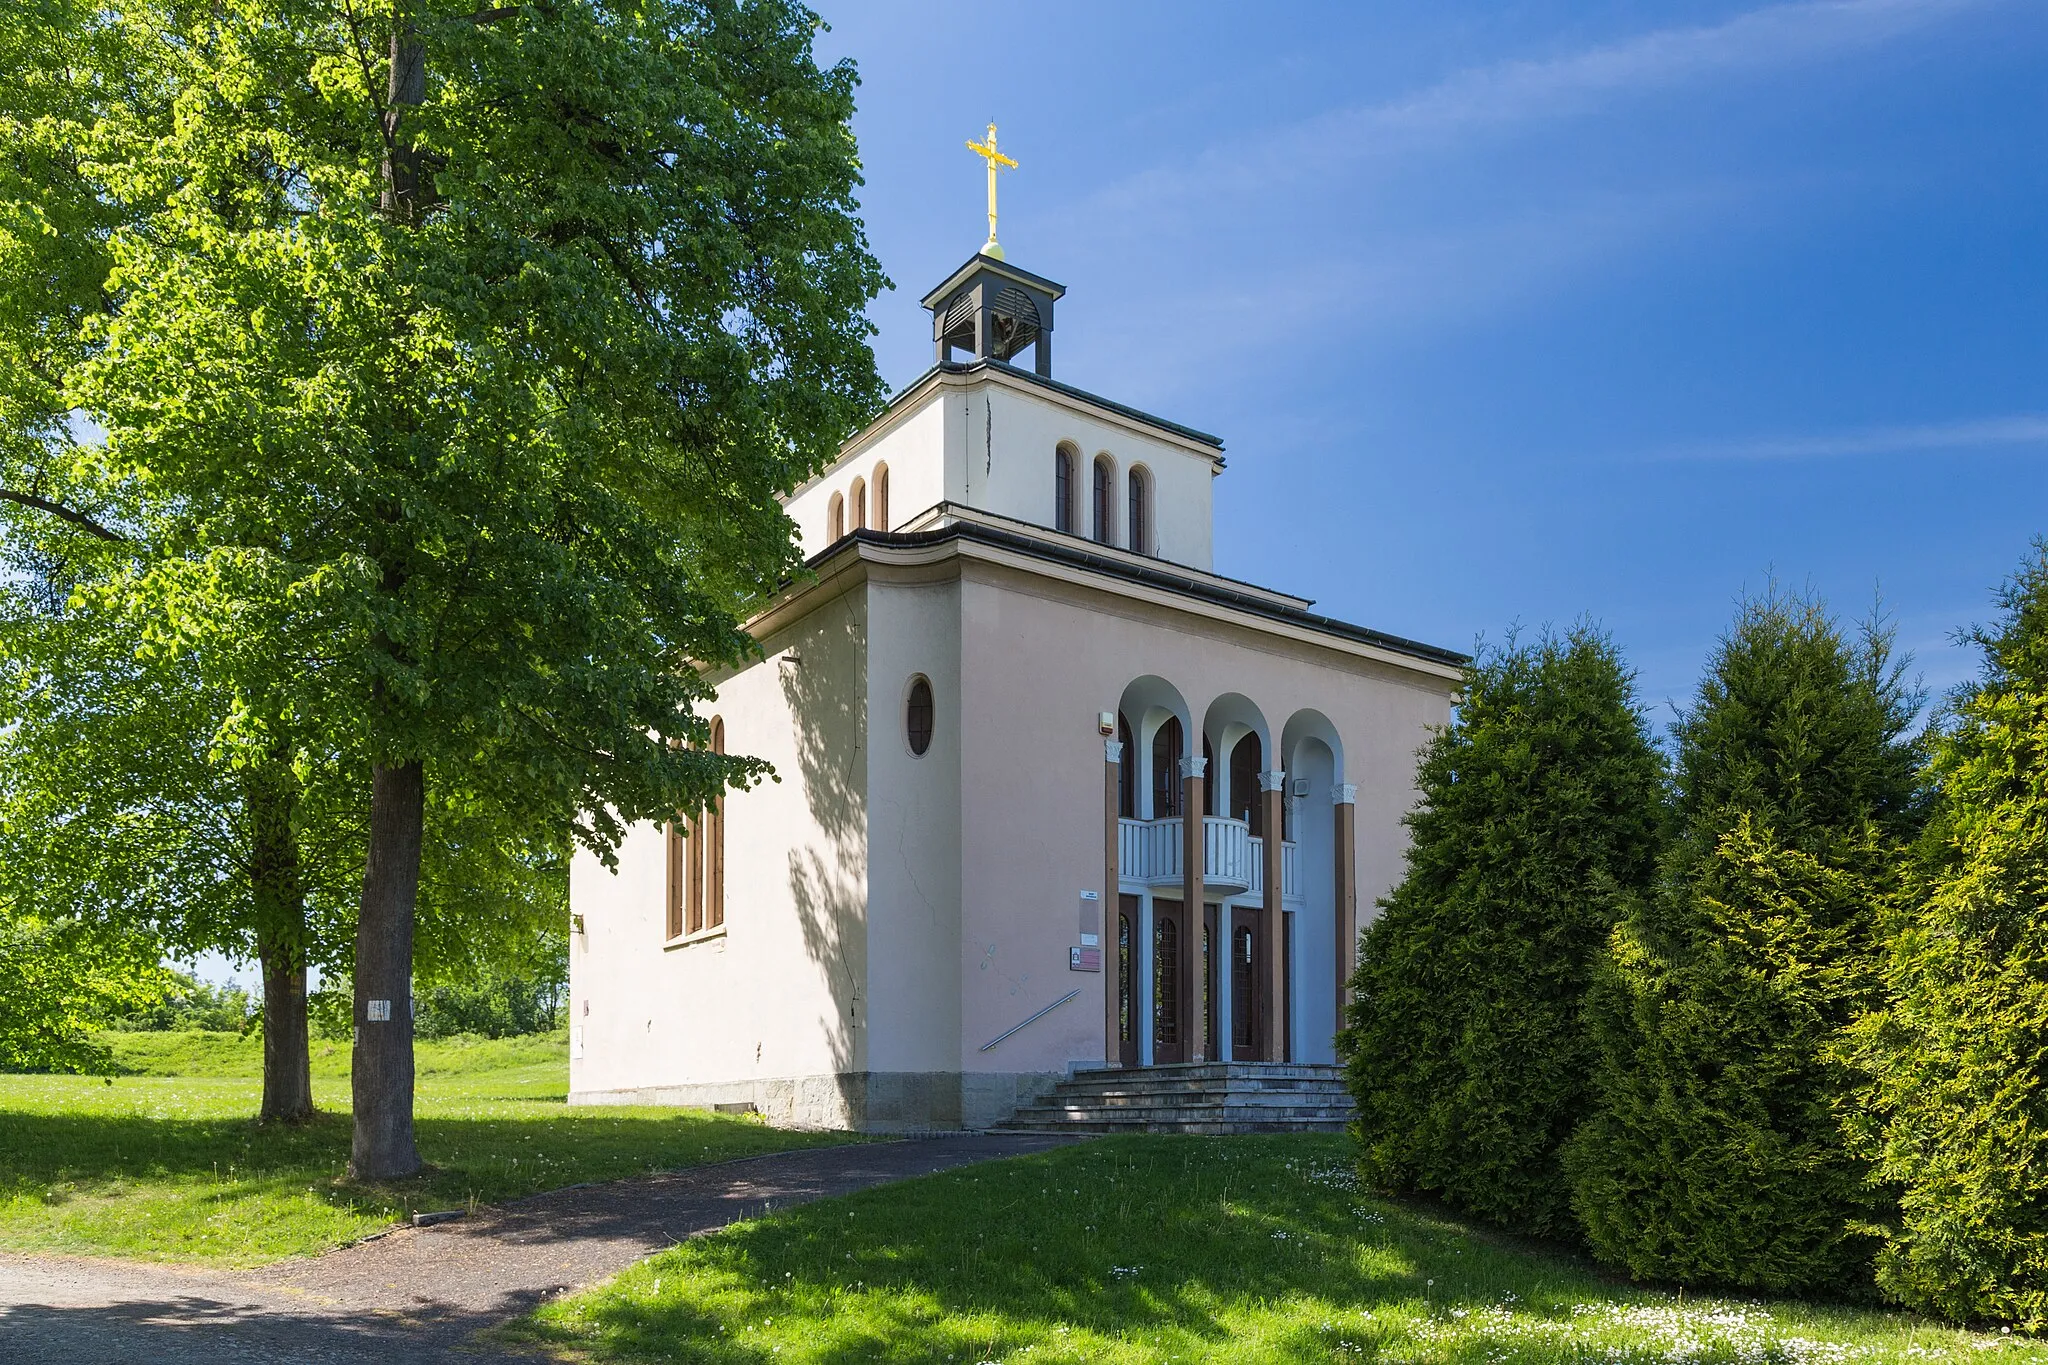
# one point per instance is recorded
(1715, 1153)
(1957, 1103)
(1464, 1041)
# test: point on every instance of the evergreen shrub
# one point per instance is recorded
(1716, 1153)
(1956, 1111)
(1464, 1044)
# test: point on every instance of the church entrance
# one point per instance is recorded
(1247, 986)
(1169, 983)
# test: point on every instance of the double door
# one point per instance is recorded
(1183, 962)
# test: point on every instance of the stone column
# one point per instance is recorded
(1112, 1045)
(1194, 1019)
(1344, 797)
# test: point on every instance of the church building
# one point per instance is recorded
(1053, 795)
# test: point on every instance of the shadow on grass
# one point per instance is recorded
(59, 1158)
(1138, 1244)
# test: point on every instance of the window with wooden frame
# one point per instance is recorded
(1104, 502)
(696, 862)
(881, 490)
(1064, 460)
(859, 498)
(1140, 508)
(835, 519)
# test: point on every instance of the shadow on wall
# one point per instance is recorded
(826, 695)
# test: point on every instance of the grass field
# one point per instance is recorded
(166, 1164)
(1177, 1249)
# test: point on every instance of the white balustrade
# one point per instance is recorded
(1149, 851)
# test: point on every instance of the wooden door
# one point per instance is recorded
(1169, 983)
(1247, 986)
(1127, 980)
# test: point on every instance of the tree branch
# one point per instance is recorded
(58, 509)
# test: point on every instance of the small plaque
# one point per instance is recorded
(1084, 959)
(1090, 940)
(380, 1011)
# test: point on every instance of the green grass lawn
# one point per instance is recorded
(166, 1164)
(1176, 1249)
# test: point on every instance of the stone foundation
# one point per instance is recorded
(858, 1101)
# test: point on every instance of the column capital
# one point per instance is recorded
(1112, 751)
(1344, 794)
(1275, 781)
(1193, 767)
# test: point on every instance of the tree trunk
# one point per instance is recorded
(270, 799)
(383, 1147)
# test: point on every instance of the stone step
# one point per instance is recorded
(1207, 1127)
(1222, 1113)
(1334, 1094)
(1264, 1098)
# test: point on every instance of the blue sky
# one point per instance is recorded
(1517, 312)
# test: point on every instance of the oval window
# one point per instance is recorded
(918, 716)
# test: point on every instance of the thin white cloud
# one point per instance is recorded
(2024, 429)
(1514, 94)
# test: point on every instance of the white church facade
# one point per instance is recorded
(1053, 795)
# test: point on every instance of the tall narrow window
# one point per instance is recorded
(678, 873)
(1063, 490)
(1104, 528)
(1245, 802)
(918, 719)
(859, 499)
(1126, 769)
(714, 842)
(835, 519)
(1141, 512)
(1209, 772)
(881, 497)
(1166, 756)
(696, 861)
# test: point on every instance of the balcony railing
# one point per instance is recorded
(1149, 852)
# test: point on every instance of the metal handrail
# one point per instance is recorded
(990, 1044)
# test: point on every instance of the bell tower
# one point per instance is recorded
(994, 311)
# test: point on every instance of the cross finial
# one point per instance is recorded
(987, 152)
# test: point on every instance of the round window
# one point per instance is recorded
(918, 716)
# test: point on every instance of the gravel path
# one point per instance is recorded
(419, 1294)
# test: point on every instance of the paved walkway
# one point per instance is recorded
(419, 1294)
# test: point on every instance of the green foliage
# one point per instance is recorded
(495, 1006)
(191, 1005)
(1956, 1111)
(60, 981)
(1715, 1153)
(1464, 1044)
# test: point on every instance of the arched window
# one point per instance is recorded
(1246, 803)
(835, 520)
(1166, 756)
(1141, 510)
(859, 498)
(1126, 769)
(918, 718)
(1105, 499)
(696, 861)
(881, 497)
(1063, 461)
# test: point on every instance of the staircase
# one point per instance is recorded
(1201, 1097)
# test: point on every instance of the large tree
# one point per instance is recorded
(472, 348)
(1956, 1107)
(1715, 1151)
(1464, 1043)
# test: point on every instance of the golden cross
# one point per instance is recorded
(987, 152)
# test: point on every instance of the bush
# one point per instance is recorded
(1464, 1044)
(1957, 1100)
(193, 1005)
(1715, 1153)
(491, 1007)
